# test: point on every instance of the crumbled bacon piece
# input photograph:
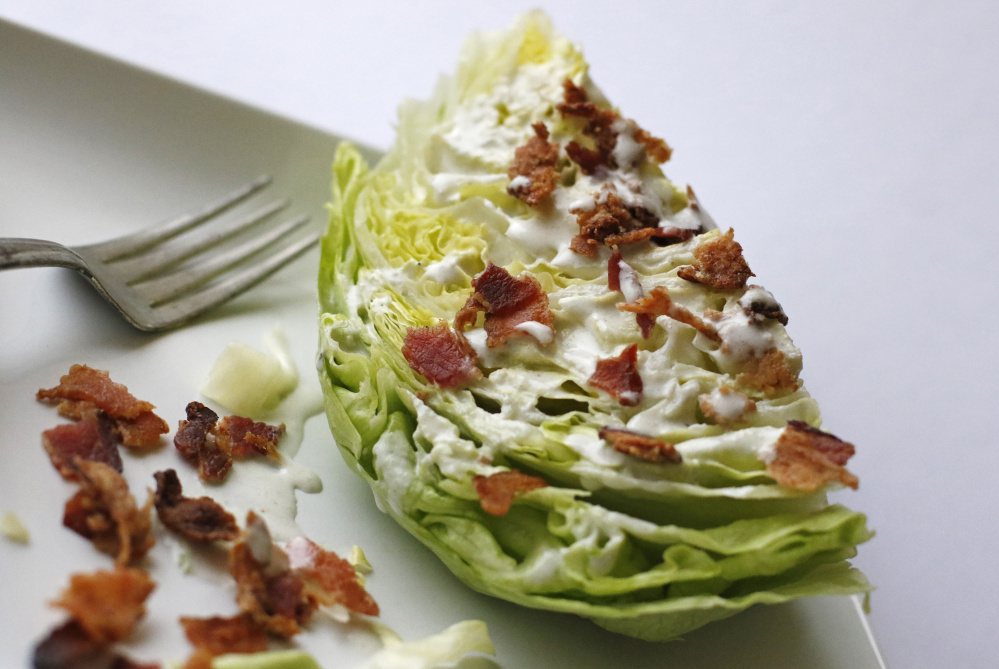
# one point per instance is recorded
(198, 519)
(196, 443)
(659, 303)
(759, 304)
(104, 511)
(242, 437)
(806, 458)
(535, 162)
(614, 271)
(729, 407)
(497, 491)
(107, 604)
(612, 223)
(210, 444)
(770, 374)
(88, 439)
(718, 263)
(84, 390)
(328, 577)
(67, 646)
(441, 354)
(619, 377)
(599, 124)
(665, 236)
(216, 636)
(507, 302)
(640, 445)
(267, 589)
(657, 149)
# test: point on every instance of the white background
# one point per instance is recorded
(854, 148)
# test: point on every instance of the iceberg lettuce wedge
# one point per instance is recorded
(648, 549)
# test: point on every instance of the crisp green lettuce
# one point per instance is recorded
(642, 548)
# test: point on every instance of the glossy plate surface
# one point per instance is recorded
(93, 148)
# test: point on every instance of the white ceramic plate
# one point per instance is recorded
(91, 148)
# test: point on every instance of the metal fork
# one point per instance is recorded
(144, 277)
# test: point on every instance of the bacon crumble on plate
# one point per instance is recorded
(197, 519)
(90, 438)
(242, 437)
(497, 491)
(329, 578)
(211, 444)
(440, 354)
(619, 376)
(806, 458)
(719, 263)
(533, 176)
(507, 302)
(107, 604)
(105, 512)
(282, 590)
(217, 635)
(68, 646)
(640, 445)
(84, 390)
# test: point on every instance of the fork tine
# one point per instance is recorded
(176, 312)
(122, 247)
(141, 268)
(161, 290)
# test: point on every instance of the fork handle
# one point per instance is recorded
(16, 252)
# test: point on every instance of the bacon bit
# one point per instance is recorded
(84, 390)
(107, 604)
(718, 263)
(535, 161)
(770, 375)
(657, 149)
(612, 223)
(600, 127)
(440, 354)
(200, 519)
(104, 511)
(759, 304)
(646, 323)
(659, 303)
(242, 437)
(216, 636)
(640, 445)
(497, 491)
(68, 645)
(196, 443)
(806, 458)
(599, 124)
(507, 302)
(671, 235)
(267, 589)
(88, 439)
(329, 578)
(708, 407)
(614, 271)
(619, 377)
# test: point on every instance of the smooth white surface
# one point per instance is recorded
(851, 145)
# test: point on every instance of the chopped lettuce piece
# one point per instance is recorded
(249, 382)
(648, 549)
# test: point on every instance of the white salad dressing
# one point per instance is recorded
(543, 333)
(259, 485)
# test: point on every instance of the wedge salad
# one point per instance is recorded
(554, 370)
